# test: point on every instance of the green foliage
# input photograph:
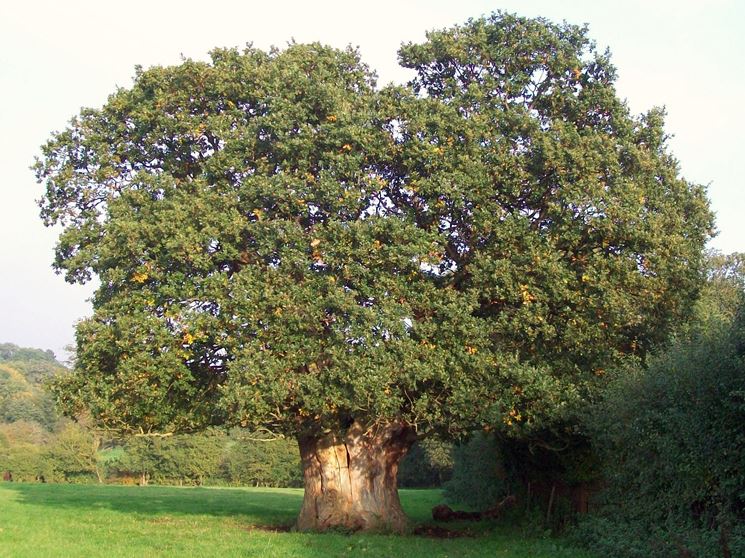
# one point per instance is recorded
(72, 455)
(281, 244)
(25, 461)
(35, 442)
(21, 396)
(721, 296)
(479, 477)
(23, 372)
(189, 459)
(9, 351)
(21, 450)
(429, 463)
(251, 461)
(673, 444)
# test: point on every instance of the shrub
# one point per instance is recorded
(479, 477)
(673, 444)
(189, 458)
(72, 455)
(255, 462)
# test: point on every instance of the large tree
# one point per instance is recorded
(281, 245)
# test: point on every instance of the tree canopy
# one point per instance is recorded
(282, 244)
(10, 351)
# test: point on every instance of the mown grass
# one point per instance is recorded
(39, 520)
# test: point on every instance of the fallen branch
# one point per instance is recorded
(443, 512)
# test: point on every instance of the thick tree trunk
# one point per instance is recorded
(351, 480)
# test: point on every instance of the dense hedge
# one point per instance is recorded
(673, 441)
(251, 461)
(479, 477)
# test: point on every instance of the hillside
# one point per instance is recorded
(23, 372)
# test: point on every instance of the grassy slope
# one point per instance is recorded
(68, 520)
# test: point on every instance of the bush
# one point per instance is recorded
(673, 444)
(185, 459)
(25, 461)
(479, 478)
(255, 462)
(72, 455)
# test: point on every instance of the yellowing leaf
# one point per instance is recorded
(526, 295)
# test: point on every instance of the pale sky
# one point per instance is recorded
(58, 56)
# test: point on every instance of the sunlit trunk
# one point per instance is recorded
(351, 479)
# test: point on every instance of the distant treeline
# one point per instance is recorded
(9, 351)
(36, 444)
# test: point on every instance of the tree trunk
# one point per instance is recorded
(351, 479)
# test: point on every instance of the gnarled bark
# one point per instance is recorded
(351, 479)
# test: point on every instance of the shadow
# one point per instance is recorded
(262, 507)
(64, 520)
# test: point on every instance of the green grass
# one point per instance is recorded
(73, 520)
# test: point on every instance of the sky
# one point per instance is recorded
(56, 57)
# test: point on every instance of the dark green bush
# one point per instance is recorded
(479, 477)
(673, 441)
(25, 462)
(71, 455)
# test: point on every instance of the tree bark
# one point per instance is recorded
(351, 479)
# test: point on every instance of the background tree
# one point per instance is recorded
(479, 476)
(10, 351)
(22, 395)
(73, 454)
(139, 458)
(21, 450)
(190, 459)
(281, 245)
(428, 463)
(721, 296)
(253, 461)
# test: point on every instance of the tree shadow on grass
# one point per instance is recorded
(173, 521)
(168, 521)
(261, 507)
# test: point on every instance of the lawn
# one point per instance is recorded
(39, 520)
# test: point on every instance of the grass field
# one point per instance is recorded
(40, 520)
